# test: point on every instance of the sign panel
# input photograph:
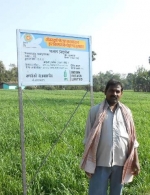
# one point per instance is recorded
(53, 59)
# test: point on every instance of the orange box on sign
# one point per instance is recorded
(65, 43)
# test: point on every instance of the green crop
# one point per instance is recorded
(59, 148)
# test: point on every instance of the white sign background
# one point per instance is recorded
(53, 59)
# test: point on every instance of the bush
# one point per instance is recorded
(30, 87)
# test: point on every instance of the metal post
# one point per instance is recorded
(90, 73)
(22, 139)
(92, 99)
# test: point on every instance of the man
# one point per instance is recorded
(110, 144)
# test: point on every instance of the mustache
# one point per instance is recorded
(113, 96)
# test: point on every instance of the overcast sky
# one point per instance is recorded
(120, 29)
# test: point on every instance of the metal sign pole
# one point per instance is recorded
(92, 99)
(91, 76)
(22, 139)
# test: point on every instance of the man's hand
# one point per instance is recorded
(89, 175)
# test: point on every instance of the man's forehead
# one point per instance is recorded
(115, 87)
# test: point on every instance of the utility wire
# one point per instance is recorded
(60, 135)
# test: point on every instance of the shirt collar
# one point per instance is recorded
(107, 105)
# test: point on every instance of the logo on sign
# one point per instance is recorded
(28, 37)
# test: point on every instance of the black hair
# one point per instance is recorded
(113, 82)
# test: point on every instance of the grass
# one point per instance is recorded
(45, 116)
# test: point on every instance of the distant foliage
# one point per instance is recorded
(93, 55)
(30, 87)
(10, 75)
(139, 81)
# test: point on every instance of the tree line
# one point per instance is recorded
(138, 81)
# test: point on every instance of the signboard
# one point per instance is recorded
(53, 59)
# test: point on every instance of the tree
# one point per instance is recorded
(100, 80)
(93, 55)
(2, 71)
(142, 80)
(10, 75)
(14, 74)
(96, 83)
(129, 81)
(2, 68)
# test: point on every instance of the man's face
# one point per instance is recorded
(113, 94)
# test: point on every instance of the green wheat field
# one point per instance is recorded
(54, 143)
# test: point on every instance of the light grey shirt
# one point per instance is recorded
(113, 144)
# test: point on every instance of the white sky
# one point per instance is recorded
(120, 29)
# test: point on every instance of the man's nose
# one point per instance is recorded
(114, 93)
